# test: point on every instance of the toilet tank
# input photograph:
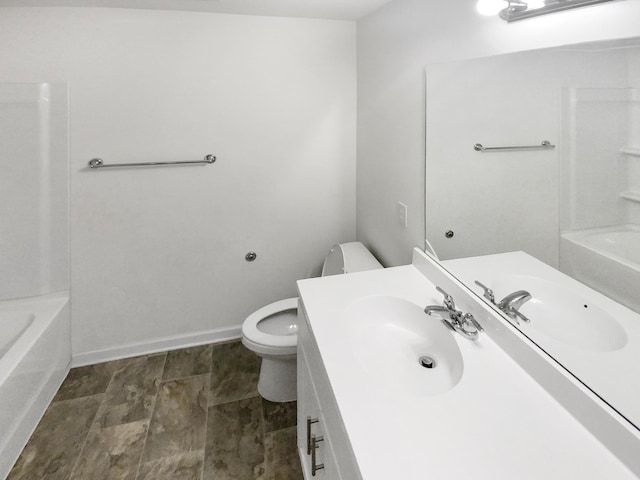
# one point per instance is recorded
(349, 258)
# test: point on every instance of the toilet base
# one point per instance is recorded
(278, 378)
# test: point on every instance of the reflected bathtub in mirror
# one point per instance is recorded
(607, 259)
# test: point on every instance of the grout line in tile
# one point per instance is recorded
(153, 410)
(265, 459)
(206, 430)
(182, 377)
(235, 400)
(93, 422)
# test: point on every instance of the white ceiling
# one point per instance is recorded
(328, 9)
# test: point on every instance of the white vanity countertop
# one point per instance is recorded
(496, 423)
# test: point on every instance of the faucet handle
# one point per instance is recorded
(468, 317)
(488, 293)
(448, 299)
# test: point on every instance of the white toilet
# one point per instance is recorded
(271, 331)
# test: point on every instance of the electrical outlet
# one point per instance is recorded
(402, 214)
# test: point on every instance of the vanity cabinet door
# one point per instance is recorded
(309, 406)
(311, 425)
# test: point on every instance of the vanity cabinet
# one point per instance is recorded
(319, 421)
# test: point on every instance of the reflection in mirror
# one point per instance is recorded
(572, 213)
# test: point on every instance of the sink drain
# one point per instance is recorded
(427, 362)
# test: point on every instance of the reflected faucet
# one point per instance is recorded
(463, 323)
(510, 304)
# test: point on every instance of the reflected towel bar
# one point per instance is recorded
(99, 163)
(545, 145)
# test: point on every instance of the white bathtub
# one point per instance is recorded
(607, 259)
(35, 352)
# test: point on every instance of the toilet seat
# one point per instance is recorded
(269, 343)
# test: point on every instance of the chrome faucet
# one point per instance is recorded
(463, 323)
(510, 304)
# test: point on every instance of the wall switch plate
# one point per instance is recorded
(402, 214)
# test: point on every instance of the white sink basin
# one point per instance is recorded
(559, 313)
(390, 335)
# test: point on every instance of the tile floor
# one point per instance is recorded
(186, 414)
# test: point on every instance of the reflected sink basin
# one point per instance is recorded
(559, 313)
(390, 335)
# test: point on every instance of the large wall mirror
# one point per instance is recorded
(572, 204)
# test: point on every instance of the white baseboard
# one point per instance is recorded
(155, 346)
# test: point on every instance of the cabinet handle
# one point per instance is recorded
(314, 446)
(310, 421)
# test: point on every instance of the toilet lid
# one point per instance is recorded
(250, 326)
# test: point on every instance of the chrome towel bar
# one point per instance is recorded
(99, 163)
(545, 145)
